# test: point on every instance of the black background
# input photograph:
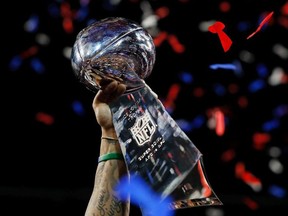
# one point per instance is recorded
(49, 169)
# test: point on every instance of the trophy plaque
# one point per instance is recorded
(153, 145)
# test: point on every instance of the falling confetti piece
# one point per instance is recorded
(171, 97)
(265, 20)
(220, 122)
(217, 28)
(260, 140)
(175, 44)
(140, 193)
(251, 203)
(223, 66)
(247, 177)
(44, 118)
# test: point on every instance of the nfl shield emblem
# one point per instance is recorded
(143, 129)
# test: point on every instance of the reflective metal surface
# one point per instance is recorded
(116, 48)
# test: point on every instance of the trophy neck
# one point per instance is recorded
(135, 86)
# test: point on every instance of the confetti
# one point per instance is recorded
(141, 194)
(217, 28)
(263, 23)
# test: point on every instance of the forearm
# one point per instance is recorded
(104, 201)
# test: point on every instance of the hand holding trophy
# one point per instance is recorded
(154, 146)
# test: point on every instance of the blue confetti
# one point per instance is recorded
(78, 108)
(37, 65)
(256, 85)
(186, 77)
(277, 191)
(140, 193)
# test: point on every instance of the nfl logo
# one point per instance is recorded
(143, 129)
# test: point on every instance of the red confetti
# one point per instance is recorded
(67, 15)
(160, 38)
(172, 40)
(29, 52)
(220, 122)
(172, 95)
(198, 92)
(260, 140)
(225, 40)
(264, 21)
(228, 155)
(284, 9)
(250, 179)
(250, 203)
(44, 118)
(243, 101)
(175, 44)
(225, 6)
(162, 12)
(239, 169)
(246, 176)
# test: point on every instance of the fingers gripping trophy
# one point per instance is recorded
(154, 146)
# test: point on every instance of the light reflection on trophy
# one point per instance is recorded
(153, 145)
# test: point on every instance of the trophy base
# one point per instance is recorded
(194, 190)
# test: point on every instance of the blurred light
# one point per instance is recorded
(276, 77)
(45, 118)
(260, 140)
(204, 25)
(274, 151)
(256, 85)
(31, 25)
(198, 121)
(42, 39)
(246, 56)
(262, 70)
(275, 166)
(214, 212)
(270, 125)
(277, 191)
(250, 203)
(219, 89)
(280, 110)
(224, 6)
(15, 63)
(280, 50)
(37, 65)
(186, 77)
(82, 13)
(243, 26)
(67, 52)
(78, 108)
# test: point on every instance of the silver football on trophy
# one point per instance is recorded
(113, 48)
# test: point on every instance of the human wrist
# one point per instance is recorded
(111, 140)
(109, 143)
(111, 133)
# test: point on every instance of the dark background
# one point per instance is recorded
(50, 138)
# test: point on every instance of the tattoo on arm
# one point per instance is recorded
(108, 204)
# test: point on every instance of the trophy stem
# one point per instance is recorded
(156, 149)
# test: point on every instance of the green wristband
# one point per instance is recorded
(110, 156)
